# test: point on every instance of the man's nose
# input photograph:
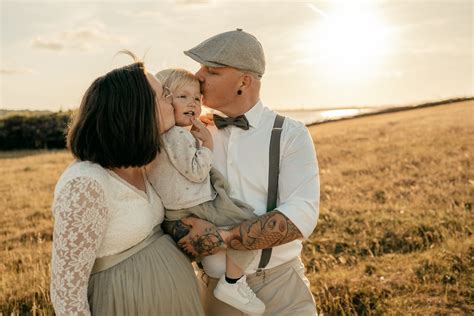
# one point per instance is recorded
(200, 74)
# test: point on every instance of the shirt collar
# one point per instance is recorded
(254, 114)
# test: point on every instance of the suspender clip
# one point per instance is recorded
(260, 272)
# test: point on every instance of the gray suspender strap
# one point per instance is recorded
(273, 171)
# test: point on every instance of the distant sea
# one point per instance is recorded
(309, 116)
(312, 116)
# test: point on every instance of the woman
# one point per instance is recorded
(109, 254)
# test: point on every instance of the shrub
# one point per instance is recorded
(45, 131)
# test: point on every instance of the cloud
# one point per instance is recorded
(170, 10)
(17, 71)
(47, 44)
(83, 38)
(143, 14)
(194, 2)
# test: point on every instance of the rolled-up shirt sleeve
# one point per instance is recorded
(298, 186)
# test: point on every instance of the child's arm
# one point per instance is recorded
(193, 162)
(200, 131)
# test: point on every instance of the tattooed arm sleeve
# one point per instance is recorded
(204, 239)
(269, 230)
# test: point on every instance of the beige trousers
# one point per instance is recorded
(284, 290)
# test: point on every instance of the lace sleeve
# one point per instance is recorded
(80, 220)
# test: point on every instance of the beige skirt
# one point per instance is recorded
(157, 280)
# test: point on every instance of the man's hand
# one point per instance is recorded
(202, 240)
(207, 119)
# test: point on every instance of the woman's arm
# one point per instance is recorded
(80, 221)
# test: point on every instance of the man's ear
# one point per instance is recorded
(247, 80)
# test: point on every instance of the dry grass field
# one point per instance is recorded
(395, 233)
(394, 237)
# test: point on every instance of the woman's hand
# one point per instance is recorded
(200, 131)
(203, 238)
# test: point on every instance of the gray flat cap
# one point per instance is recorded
(236, 49)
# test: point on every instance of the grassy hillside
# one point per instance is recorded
(396, 219)
(395, 234)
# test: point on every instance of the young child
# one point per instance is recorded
(183, 176)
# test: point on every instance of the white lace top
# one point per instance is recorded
(96, 214)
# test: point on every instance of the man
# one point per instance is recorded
(232, 65)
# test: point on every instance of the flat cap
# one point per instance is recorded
(236, 49)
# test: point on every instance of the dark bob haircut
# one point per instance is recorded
(116, 125)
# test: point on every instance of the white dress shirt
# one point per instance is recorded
(242, 157)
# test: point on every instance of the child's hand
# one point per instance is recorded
(207, 119)
(200, 131)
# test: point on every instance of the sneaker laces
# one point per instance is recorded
(245, 289)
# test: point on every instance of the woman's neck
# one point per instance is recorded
(133, 175)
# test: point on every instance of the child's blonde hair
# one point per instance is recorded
(175, 78)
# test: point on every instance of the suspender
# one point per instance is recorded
(273, 171)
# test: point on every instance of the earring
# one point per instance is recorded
(239, 92)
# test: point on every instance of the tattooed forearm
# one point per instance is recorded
(208, 243)
(269, 230)
(202, 240)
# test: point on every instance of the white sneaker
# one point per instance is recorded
(239, 295)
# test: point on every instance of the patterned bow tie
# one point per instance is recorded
(239, 121)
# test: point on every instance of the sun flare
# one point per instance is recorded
(349, 40)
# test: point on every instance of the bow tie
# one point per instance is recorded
(239, 121)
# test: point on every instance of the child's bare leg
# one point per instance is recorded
(232, 270)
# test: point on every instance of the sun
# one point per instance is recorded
(349, 40)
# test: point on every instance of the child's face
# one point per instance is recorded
(187, 104)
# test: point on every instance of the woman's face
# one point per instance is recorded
(165, 110)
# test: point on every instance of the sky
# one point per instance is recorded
(319, 54)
